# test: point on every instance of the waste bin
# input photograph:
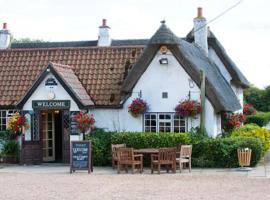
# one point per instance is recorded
(244, 157)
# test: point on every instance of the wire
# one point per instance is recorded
(220, 15)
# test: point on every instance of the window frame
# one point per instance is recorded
(157, 122)
(8, 114)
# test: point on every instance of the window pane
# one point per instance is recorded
(147, 123)
(147, 116)
(147, 129)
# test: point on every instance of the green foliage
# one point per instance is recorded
(260, 99)
(254, 131)
(11, 147)
(101, 144)
(150, 140)
(222, 152)
(260, 118)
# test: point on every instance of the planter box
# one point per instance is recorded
(11, 159)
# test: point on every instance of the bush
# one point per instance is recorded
(254, 131)
(150, 140)
(261, 118)
(222, 152)
(11, 147)
(101, 146)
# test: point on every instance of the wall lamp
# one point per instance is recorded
(164, 61)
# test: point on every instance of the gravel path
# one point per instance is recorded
(77, 186)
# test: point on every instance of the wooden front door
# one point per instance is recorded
(48, 136)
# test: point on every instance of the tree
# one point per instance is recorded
(259, 98)
(26, 40)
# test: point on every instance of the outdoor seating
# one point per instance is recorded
(114, 148)
(185, 156)
(126, 157)
(165, 156)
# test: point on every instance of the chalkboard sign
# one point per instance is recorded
(81, 156)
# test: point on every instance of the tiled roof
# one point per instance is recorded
(101, 70)
(71, 80)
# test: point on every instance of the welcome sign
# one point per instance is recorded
(81, 156)
(54, 104)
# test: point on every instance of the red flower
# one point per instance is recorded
(188, 108)
(233, 120)
(84, 121)
(138, 106)
(249, 109)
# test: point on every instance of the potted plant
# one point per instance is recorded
(84, 122)
(137, 107)
(188, 108)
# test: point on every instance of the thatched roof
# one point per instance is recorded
(192, 59)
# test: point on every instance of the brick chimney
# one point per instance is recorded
(4, 37)
(200, 31)
(104, 38)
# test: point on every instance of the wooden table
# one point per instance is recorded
(146, 151)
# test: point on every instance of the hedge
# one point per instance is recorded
(261, 118)
(207, 152)
(140, 140)
(101, 147)
(222, 152)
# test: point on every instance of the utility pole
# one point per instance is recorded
(202, 118)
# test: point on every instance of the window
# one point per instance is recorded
(165, 95)
(164, 122)
(4, 116)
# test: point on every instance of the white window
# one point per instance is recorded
(4, 116)
(164, 122)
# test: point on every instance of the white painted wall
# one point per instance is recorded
(4, 39)
(171, 78)
(239, 92)
(41, 93)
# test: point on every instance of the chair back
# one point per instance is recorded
(125, 154)
(114, 147)
(167, 154)
(186, 151)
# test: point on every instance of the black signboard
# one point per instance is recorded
(54, 104)
(81, 156)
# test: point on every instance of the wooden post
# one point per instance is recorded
(202, 119)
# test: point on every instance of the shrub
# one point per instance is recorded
(260, 118)
(254, 131)
(11, 147)
(101, 146)
(150, 140)
(222, 152)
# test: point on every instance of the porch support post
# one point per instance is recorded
(202, 118)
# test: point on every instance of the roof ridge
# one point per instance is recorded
(72, 48)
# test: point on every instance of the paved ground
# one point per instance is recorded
(55, 182)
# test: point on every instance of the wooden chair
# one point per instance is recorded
(165, 156)
(114, 147)
(126, 157)
(185, 156)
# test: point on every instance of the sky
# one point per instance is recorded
(244, 31)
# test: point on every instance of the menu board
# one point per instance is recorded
(81, 156)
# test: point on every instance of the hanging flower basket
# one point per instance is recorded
(16, 123)
(249, 109)
(137, 107)
(84, 121)
(188, 108)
